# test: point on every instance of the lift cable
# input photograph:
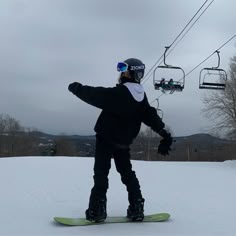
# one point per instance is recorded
(190, 28)
(144, 80)
(210, 56)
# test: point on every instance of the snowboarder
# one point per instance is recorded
(124, 108)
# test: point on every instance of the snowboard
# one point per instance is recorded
(159, 217)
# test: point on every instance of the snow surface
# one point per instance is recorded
(199, 196)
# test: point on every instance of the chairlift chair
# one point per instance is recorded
(213, 78)
(159, 111)
(176, 85)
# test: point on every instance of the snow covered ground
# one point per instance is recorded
(201, 197)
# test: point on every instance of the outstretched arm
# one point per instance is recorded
(99, 97)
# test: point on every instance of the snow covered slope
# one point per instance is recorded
(199, 196)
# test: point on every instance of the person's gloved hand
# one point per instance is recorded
(73, 87)
(165, 143)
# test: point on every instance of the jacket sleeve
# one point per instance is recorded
(152, 119)
(99, 97)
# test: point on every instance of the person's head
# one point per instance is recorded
(132, 70)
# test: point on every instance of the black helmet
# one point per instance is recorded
(136, 68)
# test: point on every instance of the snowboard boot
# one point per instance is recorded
(135, 211)
(97, 211)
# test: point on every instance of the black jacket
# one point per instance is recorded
(123, 111)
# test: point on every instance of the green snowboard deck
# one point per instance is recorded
(160, 217)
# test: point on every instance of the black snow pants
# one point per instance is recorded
(121, 154)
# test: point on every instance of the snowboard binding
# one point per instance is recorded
(97, 211)
(135, 211)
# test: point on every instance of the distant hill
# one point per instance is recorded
(204, 138)
(51, 136)
(201, 137)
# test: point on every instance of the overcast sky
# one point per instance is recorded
(47, 44)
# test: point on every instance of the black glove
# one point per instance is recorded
(165, 143)
(73, 87)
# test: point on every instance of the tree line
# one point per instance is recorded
(16, 140)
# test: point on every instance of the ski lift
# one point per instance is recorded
(159, 111)
(172, 77)
(213, 78)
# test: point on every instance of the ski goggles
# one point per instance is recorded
(122, 67)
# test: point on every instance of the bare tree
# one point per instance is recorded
(220, 106)
(9, 124)
(9, 130)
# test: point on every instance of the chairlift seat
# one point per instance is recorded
(207, 74)
(210, 87)
(178, 84)
(214, 84)
(207, 85)
(175, 87)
